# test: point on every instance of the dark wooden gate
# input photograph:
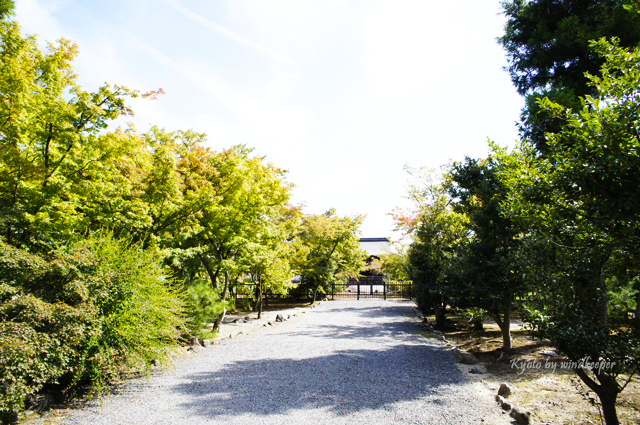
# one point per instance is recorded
(372, 287)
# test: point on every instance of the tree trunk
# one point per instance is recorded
(226, 286)
(192, 275)
(637, 312)
(207, 265)
(478, 324)
(255, 293)
(505, 327)
(607, 391)
(223, 297)
(259, 297)
(440, 312)
(315, 293)
(218, 322)
(258, 292)
(609, 409)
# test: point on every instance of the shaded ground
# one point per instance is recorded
(556, 396)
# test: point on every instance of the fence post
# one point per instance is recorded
(358, 284)
(384, 287)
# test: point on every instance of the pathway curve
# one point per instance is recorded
(345, 362)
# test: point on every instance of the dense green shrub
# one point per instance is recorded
(84, 314)
(140, 311)
(45, 317)
(204, 305)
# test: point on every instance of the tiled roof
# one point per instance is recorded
(375, 240)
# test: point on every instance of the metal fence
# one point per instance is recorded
(363, 287)
(372, 287)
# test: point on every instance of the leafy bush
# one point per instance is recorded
(89, 311)
(476, 316)
(621, 297)
(141, 312)
(44, 320)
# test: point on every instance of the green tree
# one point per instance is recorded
(487, 262)
(56, 161)
(328, 249)
(437, 232)
(432, 254)
(175, 184)
(395, 262)
(7, 8)
(581, 203)
(269, 255)
(547, 46)
(245, 192)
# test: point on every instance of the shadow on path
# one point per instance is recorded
(342, 382)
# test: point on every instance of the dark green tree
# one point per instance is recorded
(581, 204)
(486, 261)
(430, 257)
(547, 46)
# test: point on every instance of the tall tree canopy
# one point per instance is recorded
(547, 41)
(53, 152)
(547, 46)
(7, 8)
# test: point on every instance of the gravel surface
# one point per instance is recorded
(344, 362)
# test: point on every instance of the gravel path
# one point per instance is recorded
(344, 362)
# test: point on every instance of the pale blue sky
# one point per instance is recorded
(342, 93)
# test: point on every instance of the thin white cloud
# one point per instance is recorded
(226, 32)
(291, 26)
(36, 17)
(255, 118)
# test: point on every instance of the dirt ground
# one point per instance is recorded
(553, 394)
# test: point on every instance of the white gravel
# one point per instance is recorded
(344, 362)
